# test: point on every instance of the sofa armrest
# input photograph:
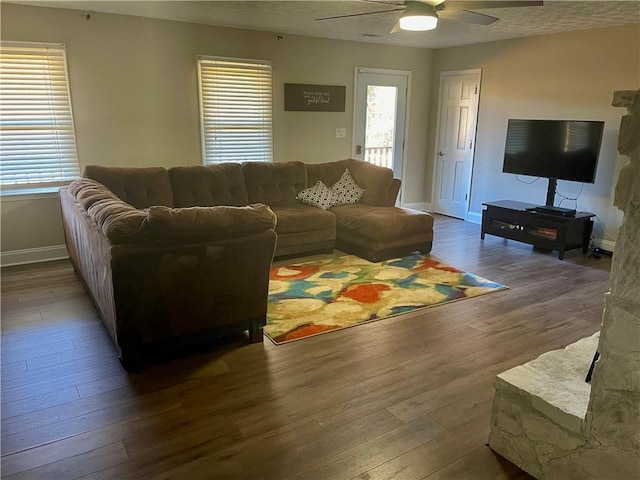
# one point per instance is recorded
(213, 222)
(394, 190)
(119, 221)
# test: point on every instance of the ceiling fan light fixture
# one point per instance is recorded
(418, 23)
(418, 17)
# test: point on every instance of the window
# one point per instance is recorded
(37, 139)
(235, 110)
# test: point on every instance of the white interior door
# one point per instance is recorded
(457, 117)
(380, 117)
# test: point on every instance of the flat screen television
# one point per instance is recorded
(554, 149)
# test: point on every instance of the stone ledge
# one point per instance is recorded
(540, 407)
(555, 382)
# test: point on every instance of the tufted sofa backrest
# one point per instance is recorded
(208, 186)
(140, 187)
(274, 184)
(232, 184)
(380, 188)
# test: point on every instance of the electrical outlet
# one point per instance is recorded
(341, 133)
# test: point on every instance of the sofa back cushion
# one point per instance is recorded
(208, 186)
(274, 184)
(140, 187)
(378, 183)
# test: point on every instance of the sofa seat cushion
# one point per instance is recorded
(382, 224)
(207, 186)
(140, 187)
(381, 233)
(217, 222)
(303, 218)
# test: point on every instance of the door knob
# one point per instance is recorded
(441, 153)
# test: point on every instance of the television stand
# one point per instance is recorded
(521, 222)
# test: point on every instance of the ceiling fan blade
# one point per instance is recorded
(481, 4)
(399, 4)
(396, 28)
(467, 17)
(361, 14)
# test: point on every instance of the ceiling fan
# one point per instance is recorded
(423, 15)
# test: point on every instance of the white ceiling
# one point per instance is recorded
(298, 17)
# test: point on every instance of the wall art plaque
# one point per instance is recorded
(314, 98)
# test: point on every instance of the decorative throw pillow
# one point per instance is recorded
(319, 196)
(346, 189)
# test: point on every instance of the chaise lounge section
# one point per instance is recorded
(373, 228)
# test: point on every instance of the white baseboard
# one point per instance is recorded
(422, 206)
(474, 217)
(609, 245)
(33, 255)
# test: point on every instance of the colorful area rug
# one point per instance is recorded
(319, 296)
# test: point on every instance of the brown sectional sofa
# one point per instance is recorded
(175, 256)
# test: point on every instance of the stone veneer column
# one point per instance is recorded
(545, 437)
(613, 416)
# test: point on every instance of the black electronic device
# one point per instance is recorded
(559, 211)
(554, 149)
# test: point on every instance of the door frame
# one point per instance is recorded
(472, 153)
(405, 139)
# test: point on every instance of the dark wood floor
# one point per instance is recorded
(404, 398)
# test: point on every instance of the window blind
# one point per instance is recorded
(37, 138)
(235, 109)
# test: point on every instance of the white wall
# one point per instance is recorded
(562, 76)
(134, 93)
